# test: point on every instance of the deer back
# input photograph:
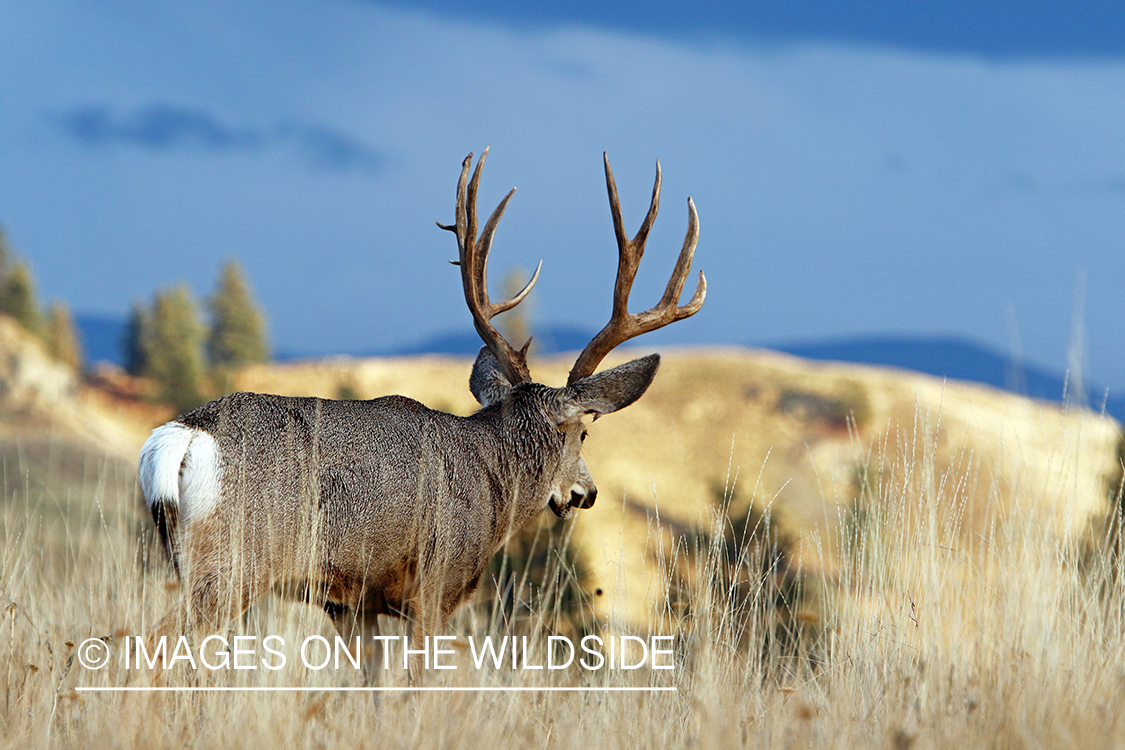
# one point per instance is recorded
(361, 488)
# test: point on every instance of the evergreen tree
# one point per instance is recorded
(17, 297)
(237, 323)
(62, 339)
(137, 330)
(515, 325)
(174, 349)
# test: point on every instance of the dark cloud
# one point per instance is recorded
(157, 126)
(165, 127)
(994, 29)
(325, 148)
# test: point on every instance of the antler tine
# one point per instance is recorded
(484, 244)
(683, 267)
(458, 225)
(629, 251)
(471, 201)
(473, 260)
(623, 326)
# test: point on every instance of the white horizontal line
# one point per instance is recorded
(237, 689)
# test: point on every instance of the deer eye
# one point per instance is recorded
(583, 437)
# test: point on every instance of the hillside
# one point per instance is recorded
(923, 567)
(953, 357)
(814, 445)
(722, 433)
(66, 447)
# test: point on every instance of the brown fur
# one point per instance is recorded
(380, 507)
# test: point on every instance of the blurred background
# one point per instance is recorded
(937, 185)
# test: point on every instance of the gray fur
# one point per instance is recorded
(487, 382)
(381, 506)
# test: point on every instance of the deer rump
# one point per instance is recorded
(338, 502)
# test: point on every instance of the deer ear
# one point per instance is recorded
(608, 391)
(487, 381)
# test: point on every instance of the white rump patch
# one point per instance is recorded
(199, 479)
(161, 458)
(180, 466)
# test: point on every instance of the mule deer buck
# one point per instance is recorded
(386, 507)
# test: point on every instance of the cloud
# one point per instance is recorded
(166, 127)
(157, 126)
(999, 29)
(329, 149)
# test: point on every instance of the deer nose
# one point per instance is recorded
(583, 499)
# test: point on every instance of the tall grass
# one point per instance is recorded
(919, 634)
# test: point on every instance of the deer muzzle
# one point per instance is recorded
(560, 510)
(584, 499)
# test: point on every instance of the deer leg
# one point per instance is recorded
(425, 623)
(210, 603)
(364, 623)
(429, 618)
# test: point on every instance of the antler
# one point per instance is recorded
(622, 326)
(473, 259)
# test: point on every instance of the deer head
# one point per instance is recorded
(501, 376)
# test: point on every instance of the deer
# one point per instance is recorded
(386, 507)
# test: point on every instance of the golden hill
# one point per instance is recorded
(63, 443)
(946, 521)
(813, 445)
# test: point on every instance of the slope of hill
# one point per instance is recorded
(66, 448)
(943, 356)
(941, 522)
(813, 446)
(42, 397)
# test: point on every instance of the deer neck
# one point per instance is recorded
(527, 449)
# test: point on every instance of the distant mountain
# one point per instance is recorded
(958, 359)
(955, 358)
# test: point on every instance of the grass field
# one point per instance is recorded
(921, 636)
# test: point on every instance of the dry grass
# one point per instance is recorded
(923, 635)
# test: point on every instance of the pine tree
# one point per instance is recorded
(137, 331)
(515, 325)
(174, 349)
(62, 339)
(237, 324)
(17, 290)
(17, 297)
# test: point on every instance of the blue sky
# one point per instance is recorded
(942, 168)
